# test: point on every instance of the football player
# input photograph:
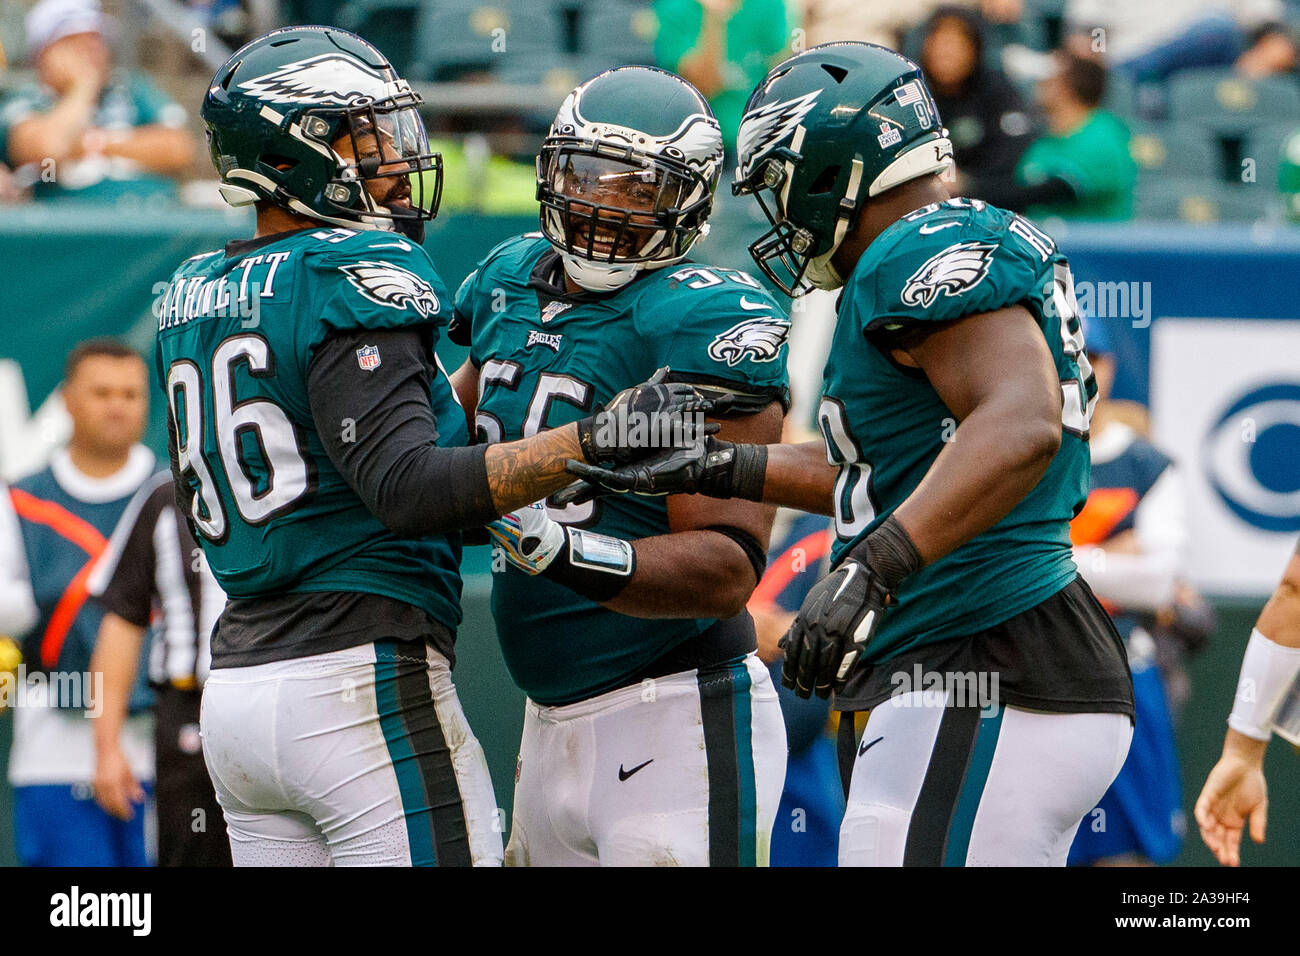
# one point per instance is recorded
(319, 451)
(955, 413)
(652, 733)
(1235, 793)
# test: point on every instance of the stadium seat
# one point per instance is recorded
(389, 24)
(1180, 149)
(1264, 146)
(1121, 95)
(457, 35)
(1203, 200)
(1230, 104)
(616, 32)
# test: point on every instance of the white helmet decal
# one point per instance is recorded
(331, 79)
(768, 125)
(697, 141)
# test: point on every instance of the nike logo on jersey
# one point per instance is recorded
(392, 245)
(624, 774)
(867, 746)
(754, 306)
(927, 229)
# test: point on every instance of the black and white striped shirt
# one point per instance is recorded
(155, 573)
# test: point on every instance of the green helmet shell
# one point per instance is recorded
(631, 123)
(824, 131)
(276, 107)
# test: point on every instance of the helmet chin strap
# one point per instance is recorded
(599, 276)
(605, 276)
(819, 271)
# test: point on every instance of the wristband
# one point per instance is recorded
(1267, 671)
(594, 565)
(749, 472)
(890, 553)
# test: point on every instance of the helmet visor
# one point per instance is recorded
(610, 208)
(386, 147)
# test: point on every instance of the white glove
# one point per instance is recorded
(529, 538)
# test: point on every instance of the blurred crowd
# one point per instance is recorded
(1079, 109)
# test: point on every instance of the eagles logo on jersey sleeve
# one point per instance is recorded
(374, 280)
(392, 286)
(947, 261)
(724, 331)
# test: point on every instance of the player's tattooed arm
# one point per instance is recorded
(995, 373)
(706, 566)
(521, 472)
(524, 471)
(710, 563)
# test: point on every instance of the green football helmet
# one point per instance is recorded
(826, 130)
(627, 173)
(275, 113)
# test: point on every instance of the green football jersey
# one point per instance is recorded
(237, 330)
(884, 424)
(545, 361)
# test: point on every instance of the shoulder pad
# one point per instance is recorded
(950, 260)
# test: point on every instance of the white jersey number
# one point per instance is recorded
(288, 476)
(854, 510)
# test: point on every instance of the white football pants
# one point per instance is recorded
(961, 786)
(683, 770)
(357, 757)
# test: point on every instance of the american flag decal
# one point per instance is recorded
(368, 357)
(909, 93)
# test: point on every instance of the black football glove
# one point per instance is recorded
(719, 469)
(639, 419)
(843, 610)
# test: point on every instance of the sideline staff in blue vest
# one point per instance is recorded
(57, 525)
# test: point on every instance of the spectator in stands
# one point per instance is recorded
(56, 525)
(987, 119)
(1150, 41)
(723, 47)
(87, 130)
(887, 23)
(10, 191)
(1081, 169)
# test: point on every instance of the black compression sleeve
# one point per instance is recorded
(379, 430)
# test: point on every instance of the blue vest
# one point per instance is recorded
(63, 536)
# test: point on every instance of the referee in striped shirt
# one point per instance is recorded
(154, 572)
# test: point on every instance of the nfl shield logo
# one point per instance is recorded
(368, 357)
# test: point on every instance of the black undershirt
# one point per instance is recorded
(1060, 656)
(413, 486)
